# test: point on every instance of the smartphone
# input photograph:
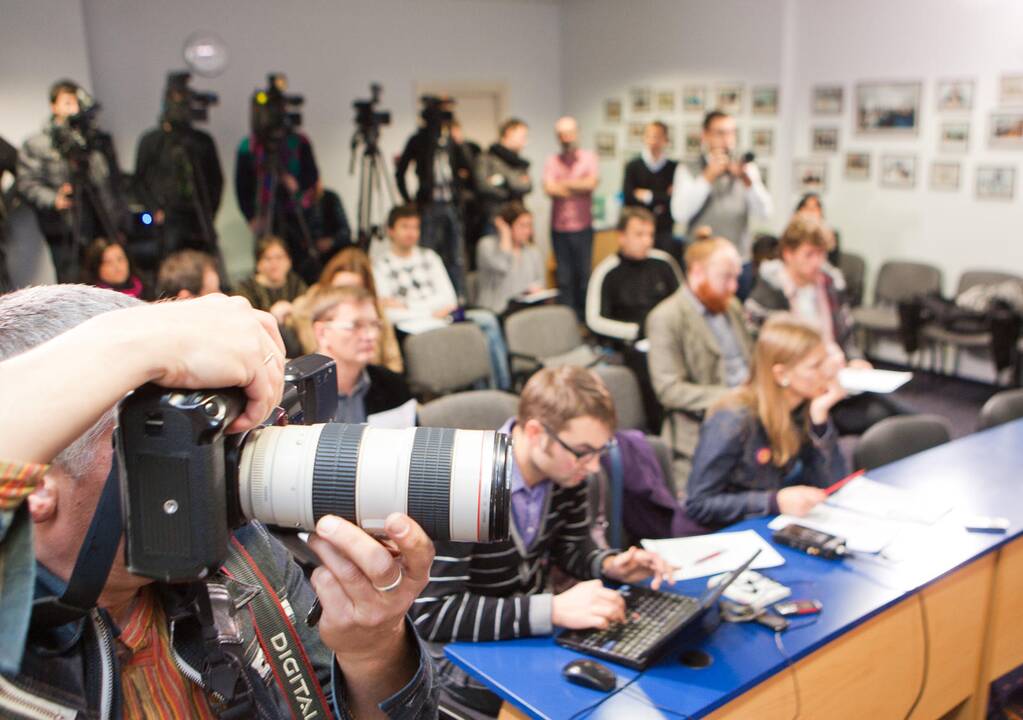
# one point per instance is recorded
(798, 607)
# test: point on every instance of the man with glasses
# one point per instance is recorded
(347, 329)
(499, 591)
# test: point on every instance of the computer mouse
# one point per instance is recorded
(591, 674)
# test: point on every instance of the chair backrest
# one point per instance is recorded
(663, 452)
(972, 278)
(854, 270)
(621, 382)
(446, 359)
(471, 410)
(900, 436)
(1002, 407)
(542, 331)
(899, 280)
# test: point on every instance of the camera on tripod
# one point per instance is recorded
(79, 134)
(181, 104)
(367, 117)
(185, 485)
(437, 111)
(274, 112)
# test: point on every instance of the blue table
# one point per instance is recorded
(955, 571)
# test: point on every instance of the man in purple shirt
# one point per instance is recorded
(569, 178)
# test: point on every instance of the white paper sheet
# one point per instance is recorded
(399, 418)
(857, 380)
(862, 533)
(734, 549)
(888, 502)
(414, 326)
(538, 296)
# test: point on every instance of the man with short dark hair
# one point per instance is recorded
(648, 184)
(720, 190)
(502, 174)
(187, 274)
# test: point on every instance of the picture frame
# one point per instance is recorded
(1005, 130)
(954, 95)
(635, 137)
(692, 141)
(898, 171)
(613, 111)
(888, 108)
(857, 166)
(764, 100)
(995, 182)
(810, 176)
(728, 98)
(827, 100)
(954, 137)
(945, 176)
(607, 145)
(666, 101)
(1010, 90)
(694, 98)
(762, 141)
(824, 140)
(640, 100)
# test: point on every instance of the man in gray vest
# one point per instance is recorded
(720, 190)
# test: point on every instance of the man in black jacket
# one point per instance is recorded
(440, 167)
(648, 184)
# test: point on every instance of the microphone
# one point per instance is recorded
(748, 157)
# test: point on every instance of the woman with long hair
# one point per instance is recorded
(769, 446)
(274, 285)
(107, 266)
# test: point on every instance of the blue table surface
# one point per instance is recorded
(978, 474)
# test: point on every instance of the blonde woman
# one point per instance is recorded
(769, 446)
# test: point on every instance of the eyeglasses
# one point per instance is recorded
(582, 456)
(357, 325)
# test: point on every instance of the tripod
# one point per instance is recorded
(373, 178)
(269, 214)
(83, 189)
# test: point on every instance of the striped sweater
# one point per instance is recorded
(498, 591)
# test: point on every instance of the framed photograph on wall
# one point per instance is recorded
(888, 108)
(1010, 90)
(640, 100)
(955, 95)
(762, 141)
(692, 146)
(824, 140)
(857, 166)
(898, 171)
(945, 176)
(607, 145)
(1006, 130)
(996, 182)
(810, 176)
(694, 98)
(827, 100)
(765, 100)
(954, 137)
(666, 101)
(613, 111)
(728, 98)
(635, 139)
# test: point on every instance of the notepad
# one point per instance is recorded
(704, 555)
(537, 296)
(857, 380)
(887, 502)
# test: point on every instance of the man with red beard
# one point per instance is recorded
(699, 346)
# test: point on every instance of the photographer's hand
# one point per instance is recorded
(366, 590)
(63, 200)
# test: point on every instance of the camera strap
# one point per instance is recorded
(93, 564)
(281, 644)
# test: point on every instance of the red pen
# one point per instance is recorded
(843, 482)
(708, 557)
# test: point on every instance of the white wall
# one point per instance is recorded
(331, 51)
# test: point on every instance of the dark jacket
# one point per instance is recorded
(176, 169)
(771, 295)
(72, 666)
(253, 170)
(734, 478)
(639, 176)
(501, 176)
(418, 150)
(387, 390)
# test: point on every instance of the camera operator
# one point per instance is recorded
(440, 168)
(178, 172)
(68, 174)
(364, 656)
(276, 175)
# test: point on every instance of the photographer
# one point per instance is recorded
(440, 167)
(364, 657)
(178, 171)
(67, 173)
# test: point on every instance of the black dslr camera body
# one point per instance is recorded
(274, 113)
(185, 484)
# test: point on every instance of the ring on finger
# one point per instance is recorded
(394, 585)
(268, 358)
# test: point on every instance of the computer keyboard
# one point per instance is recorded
(652, 619)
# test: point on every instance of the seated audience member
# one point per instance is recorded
(412, 284)
(498, 591)
(187, 274)
(770, 446)
(349, 268)
(626, 286)
(803, 283)
(810, 206)
(699, 346)
(273, 287)
(363, 659)
(107, 266)
(347, 325)
(510, 264)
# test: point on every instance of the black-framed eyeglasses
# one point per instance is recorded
(582, 456)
